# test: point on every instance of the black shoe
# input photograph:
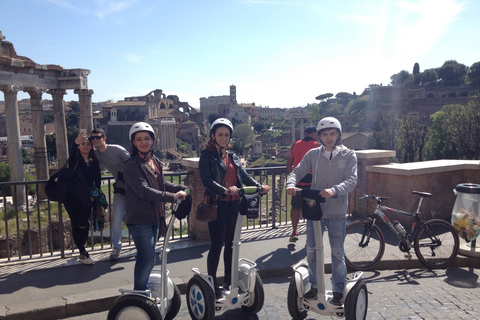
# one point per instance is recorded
(311, 294)
(337, 298)
(218, 292)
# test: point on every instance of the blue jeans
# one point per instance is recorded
(117, 219)
(336, 236)
(145, 237)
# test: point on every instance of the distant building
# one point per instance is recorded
(169, 117)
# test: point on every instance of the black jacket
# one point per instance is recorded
(212, 172)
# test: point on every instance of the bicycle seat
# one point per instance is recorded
(422, 194)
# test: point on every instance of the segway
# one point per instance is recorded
(246, 290)
(354, 304)
(162, 299)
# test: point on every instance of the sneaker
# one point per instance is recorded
(115, 254)
(294, 237)
(337, 299)
(85, 258)
(311, 294)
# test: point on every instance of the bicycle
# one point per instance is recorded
(435, 241)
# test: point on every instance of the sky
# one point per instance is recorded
(278, 53)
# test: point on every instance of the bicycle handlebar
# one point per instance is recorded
(376, 198)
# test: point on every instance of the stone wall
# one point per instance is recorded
(438, 177)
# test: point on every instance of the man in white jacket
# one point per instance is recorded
(334, 170)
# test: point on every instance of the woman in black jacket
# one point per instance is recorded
(222, 174)
(146, 189)
(79, 203)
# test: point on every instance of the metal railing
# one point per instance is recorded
(41, 228)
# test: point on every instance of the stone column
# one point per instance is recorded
(197, 229)
(60, 126)
(40, 145)
(14, 143)
(302, 127)
(85, 102)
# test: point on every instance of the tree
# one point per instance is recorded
(429, 78)
(462, 129)
(416, 68)
(412, 134)
(474, 74)
(244, 137)
(212, 117)
(400, 78)
(452, 73)
(324, 96)
(437, 146)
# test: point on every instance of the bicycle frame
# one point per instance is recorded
(407, 237)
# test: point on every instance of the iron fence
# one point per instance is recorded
(41, 228)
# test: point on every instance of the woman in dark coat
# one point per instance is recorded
(79, 203)
(222, 174)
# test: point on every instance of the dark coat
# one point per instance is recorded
(213, 170)
(141, 199)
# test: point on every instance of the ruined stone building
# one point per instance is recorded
(170, 118)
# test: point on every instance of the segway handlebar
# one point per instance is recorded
(249, 190)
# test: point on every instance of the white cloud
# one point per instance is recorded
(131, 57)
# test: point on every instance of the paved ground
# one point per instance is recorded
(452, 293)
(55, 289)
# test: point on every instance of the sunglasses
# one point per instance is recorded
(95, 137)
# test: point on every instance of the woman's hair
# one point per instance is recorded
(91, 154)
(210, 145)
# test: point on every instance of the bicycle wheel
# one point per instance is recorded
(364, 245)
(436, 243)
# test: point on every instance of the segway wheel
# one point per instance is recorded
(175, 304)
(257, 297)
(356, 302)
(129, 307)
(200, 299)
(294, 302)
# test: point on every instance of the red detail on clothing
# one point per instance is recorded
(299, 149)
(230, 178)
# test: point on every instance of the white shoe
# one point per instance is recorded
(86, 259)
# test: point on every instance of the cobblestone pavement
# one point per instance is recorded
(393, 294)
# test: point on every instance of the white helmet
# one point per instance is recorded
(141, 127)
(329, 123)
(221, 121)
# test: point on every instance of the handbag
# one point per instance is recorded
(311, 208)
(207, 209)
(57, 187)
(249, 205)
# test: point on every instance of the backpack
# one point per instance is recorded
(57, 188)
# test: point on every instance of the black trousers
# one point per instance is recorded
(221, 232)
(79, 216)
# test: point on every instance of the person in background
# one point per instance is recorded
(146, 191)
(113, 157)
(334, 174)
(222, 174)
(79, 203)
(298, 150)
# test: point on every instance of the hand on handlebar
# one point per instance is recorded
(293, 190)
(327, 193)
(233, 190)
(180, 195)
(265, 189)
